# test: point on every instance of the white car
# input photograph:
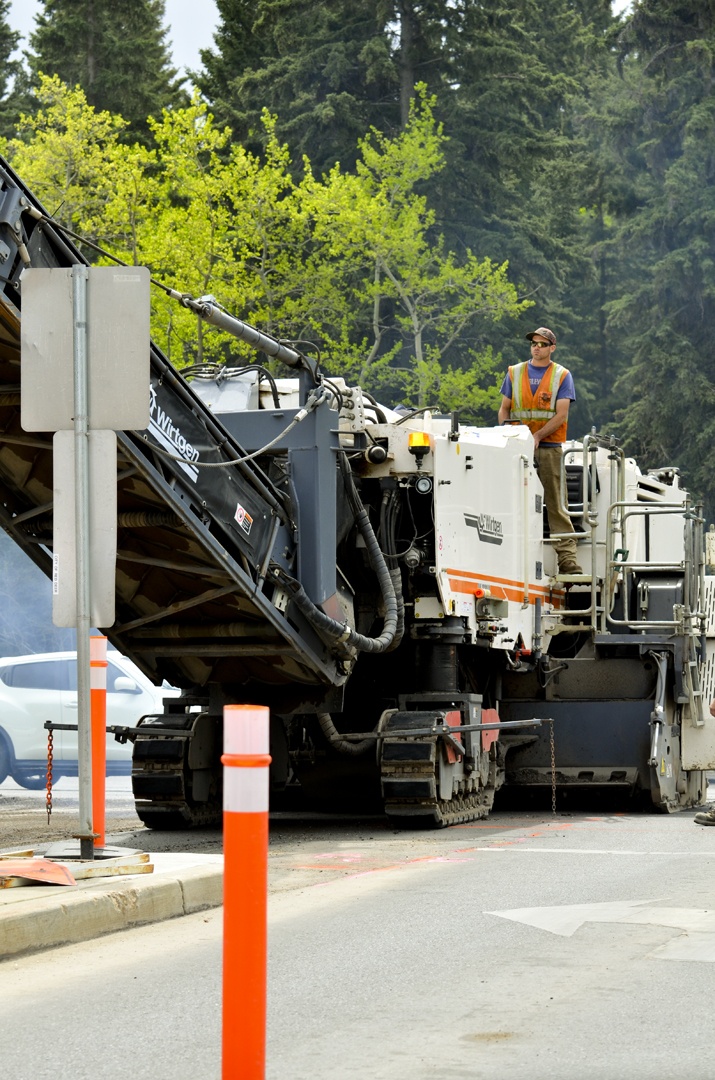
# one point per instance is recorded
(34, 689)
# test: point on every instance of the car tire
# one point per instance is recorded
(30, 779)
(5, 759)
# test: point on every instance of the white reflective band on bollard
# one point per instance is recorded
(246, 736)
(245, 729)
(97, 676)
(245, 790)
(97, 663)
(97, 649)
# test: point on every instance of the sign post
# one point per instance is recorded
(84, 370)
(80, 275)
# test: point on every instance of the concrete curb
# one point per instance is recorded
(107, 906)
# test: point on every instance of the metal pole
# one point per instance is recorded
(80, 275)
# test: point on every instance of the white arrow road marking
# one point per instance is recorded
(697, 942)
(566, 920)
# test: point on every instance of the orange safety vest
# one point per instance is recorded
(536, 409)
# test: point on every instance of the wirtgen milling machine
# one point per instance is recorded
(382, 582)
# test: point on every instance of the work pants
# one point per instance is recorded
(549, 464)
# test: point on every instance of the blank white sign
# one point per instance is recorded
(102, 540)
(117, 348)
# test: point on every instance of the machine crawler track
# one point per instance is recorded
(173, 788)
(440, 813)
(415, 772)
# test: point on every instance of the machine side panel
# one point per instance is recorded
(699, 742)
(489, 506)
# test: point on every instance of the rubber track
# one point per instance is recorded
(172, 803)
(434, 813)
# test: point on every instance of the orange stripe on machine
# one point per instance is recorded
(464, 581)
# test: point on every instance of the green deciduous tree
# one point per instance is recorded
(68, 152)
(428, 307)
(509, 80)
(344, 260)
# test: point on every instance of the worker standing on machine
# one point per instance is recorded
(538, 393)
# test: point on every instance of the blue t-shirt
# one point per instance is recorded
(536, 374)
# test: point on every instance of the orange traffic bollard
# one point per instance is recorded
(245, 890)
(98, 722)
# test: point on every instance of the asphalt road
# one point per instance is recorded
(580, 947)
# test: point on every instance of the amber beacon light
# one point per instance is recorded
(418, 443)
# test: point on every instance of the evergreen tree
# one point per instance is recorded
(518, 168)
(665, 137)
(26, 606)
(516, 69)
(114, 49)
(323, 68)
(603, 179)
(9, 69)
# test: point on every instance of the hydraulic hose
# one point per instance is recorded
(341, 633)
(387, 536)
(343, 746)
(396, 575)
(331, 629)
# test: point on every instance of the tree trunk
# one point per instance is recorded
(91, 47)
(408, 34)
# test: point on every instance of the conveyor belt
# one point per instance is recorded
(194, 598)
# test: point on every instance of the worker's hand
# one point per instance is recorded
(712, 707)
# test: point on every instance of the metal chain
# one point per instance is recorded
(48, 797)
(553, 767)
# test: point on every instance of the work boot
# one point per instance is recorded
(570, 567)
(705, 817)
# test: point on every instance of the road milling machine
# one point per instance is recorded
(382, 580)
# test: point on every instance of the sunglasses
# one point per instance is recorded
(541, 344)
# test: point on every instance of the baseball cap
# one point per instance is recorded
(543, 331)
